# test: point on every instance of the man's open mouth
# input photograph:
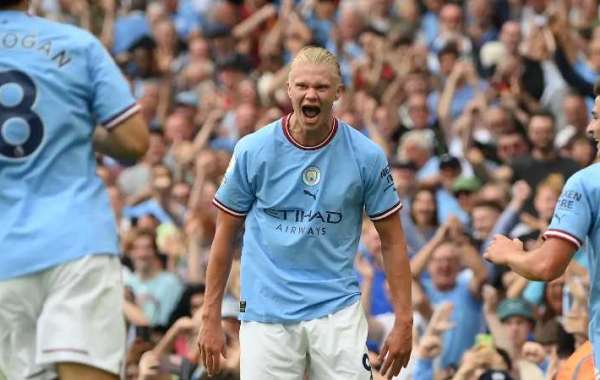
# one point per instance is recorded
(311, 111)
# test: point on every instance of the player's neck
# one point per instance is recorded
(309, 136)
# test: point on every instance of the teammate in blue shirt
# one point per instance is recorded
(300, 185)
(60, 286)
(576, 220)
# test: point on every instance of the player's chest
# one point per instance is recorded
(316, 181)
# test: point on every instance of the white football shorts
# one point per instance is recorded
(329, 348)
(67, 313)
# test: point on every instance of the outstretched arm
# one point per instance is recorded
(545, 263)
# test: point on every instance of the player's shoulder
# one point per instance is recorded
(257, 140)
(587, 176)
(360, 142)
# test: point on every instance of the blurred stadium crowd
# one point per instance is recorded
(480, 105)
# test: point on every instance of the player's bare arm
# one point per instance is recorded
(545, 263)
(211, 338)
(397, 347)
(126, 141)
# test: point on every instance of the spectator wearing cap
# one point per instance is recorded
(464, 190)
(518, 320)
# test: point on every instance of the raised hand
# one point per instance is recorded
(534, 352)
(521, 191)
(429, 347)
(440, 320)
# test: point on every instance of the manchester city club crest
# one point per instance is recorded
(311, 176)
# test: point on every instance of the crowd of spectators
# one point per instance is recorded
(480, 105)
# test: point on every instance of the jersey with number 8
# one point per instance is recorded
(56, 84)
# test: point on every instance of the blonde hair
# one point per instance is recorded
(317, 56)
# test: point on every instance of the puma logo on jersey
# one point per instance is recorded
(314, 196)
(558, 217)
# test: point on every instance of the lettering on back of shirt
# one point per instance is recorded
(13, 40)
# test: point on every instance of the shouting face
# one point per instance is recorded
(313, 88)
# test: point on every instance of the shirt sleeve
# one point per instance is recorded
(235, 195)
(111, 98)
(381, 197)
(572, 215)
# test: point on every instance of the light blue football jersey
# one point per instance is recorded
(56, 83)
(303, 208)
(577, 219)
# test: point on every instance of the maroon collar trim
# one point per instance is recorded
(288, 134)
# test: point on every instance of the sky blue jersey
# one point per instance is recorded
(56, 83)
(577, 219)
(303, 208)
